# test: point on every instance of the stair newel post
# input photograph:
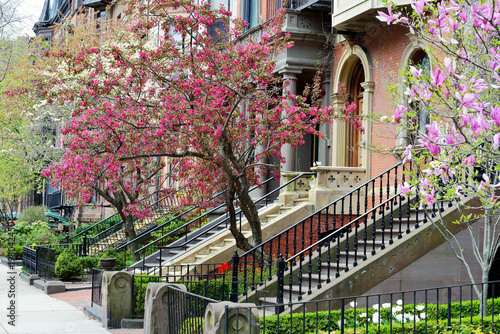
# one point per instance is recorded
(391, 220)
(388, 185)
(85, 244)
(337, 256)
(328, 243)
(281, 283)
(319, 265)
(396, 182)
(374, 229)
(382, 209)
(365, 233)
(381, 191)
(234, 284)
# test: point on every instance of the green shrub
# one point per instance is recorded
(17, 250)
(34, 213)
(325, 321)
(140, 287)
(89, 262)
(67, 265)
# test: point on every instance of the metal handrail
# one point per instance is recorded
(190, 222)
(171, 220)
(116, 227)
(237, 212)
(346, 226)
(85, 231)
(343, 197)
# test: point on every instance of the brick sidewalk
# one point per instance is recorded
(80, 299)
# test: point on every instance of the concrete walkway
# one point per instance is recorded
(37, 312)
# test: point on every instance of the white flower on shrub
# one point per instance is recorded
(376, 317)
(423, 315)
(396, 309)
(399, 302)
(420, 307)
(363, 315)
(386, 305)
(399, 317)
(376, 307)
(353, 304)
(416, 318)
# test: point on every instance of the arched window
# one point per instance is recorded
(420, 60)
(353, 139)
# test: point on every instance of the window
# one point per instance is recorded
(421, 61)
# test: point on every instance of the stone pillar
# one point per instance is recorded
(338, 140)
(116, 298)
(289, 152)
(242, 320)
(159, 306)
(368, 87)
(324, 151)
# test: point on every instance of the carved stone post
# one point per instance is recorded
(116, 298)
(219, 317)
(160, 305)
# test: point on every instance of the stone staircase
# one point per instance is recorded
(214, 243)
(113, 238)
(366, 262)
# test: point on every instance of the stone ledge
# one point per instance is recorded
(94, 312)
(17, 263)
(50, 287)
(29, 278)
(133, 323)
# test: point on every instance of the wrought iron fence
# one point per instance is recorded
(337, 220)
(456, 309)
(187, 315)
(96, 296)
(46, 262)
(30, 260)
(215, 286)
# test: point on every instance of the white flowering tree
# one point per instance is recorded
(460, 98)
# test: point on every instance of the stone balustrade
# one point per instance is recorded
(331, 182)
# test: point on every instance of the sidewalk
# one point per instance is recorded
(39, 313)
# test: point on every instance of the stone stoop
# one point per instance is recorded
(221, 248)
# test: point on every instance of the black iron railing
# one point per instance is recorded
(30, 260)
(96, 296)
(161, 243)
(42, 259)
(160, 229)
(46, 262)
(259, 263)
(187, 315)
(161, 207)
(450, 309)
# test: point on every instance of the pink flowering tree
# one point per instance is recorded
(457, 152)
(163, 87)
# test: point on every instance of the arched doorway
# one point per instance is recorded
(355, 90)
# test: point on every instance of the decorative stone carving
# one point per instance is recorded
(241, 320)
(297, 189)
(116, 298)
(332, 182)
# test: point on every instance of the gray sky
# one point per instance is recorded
(32, 10)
